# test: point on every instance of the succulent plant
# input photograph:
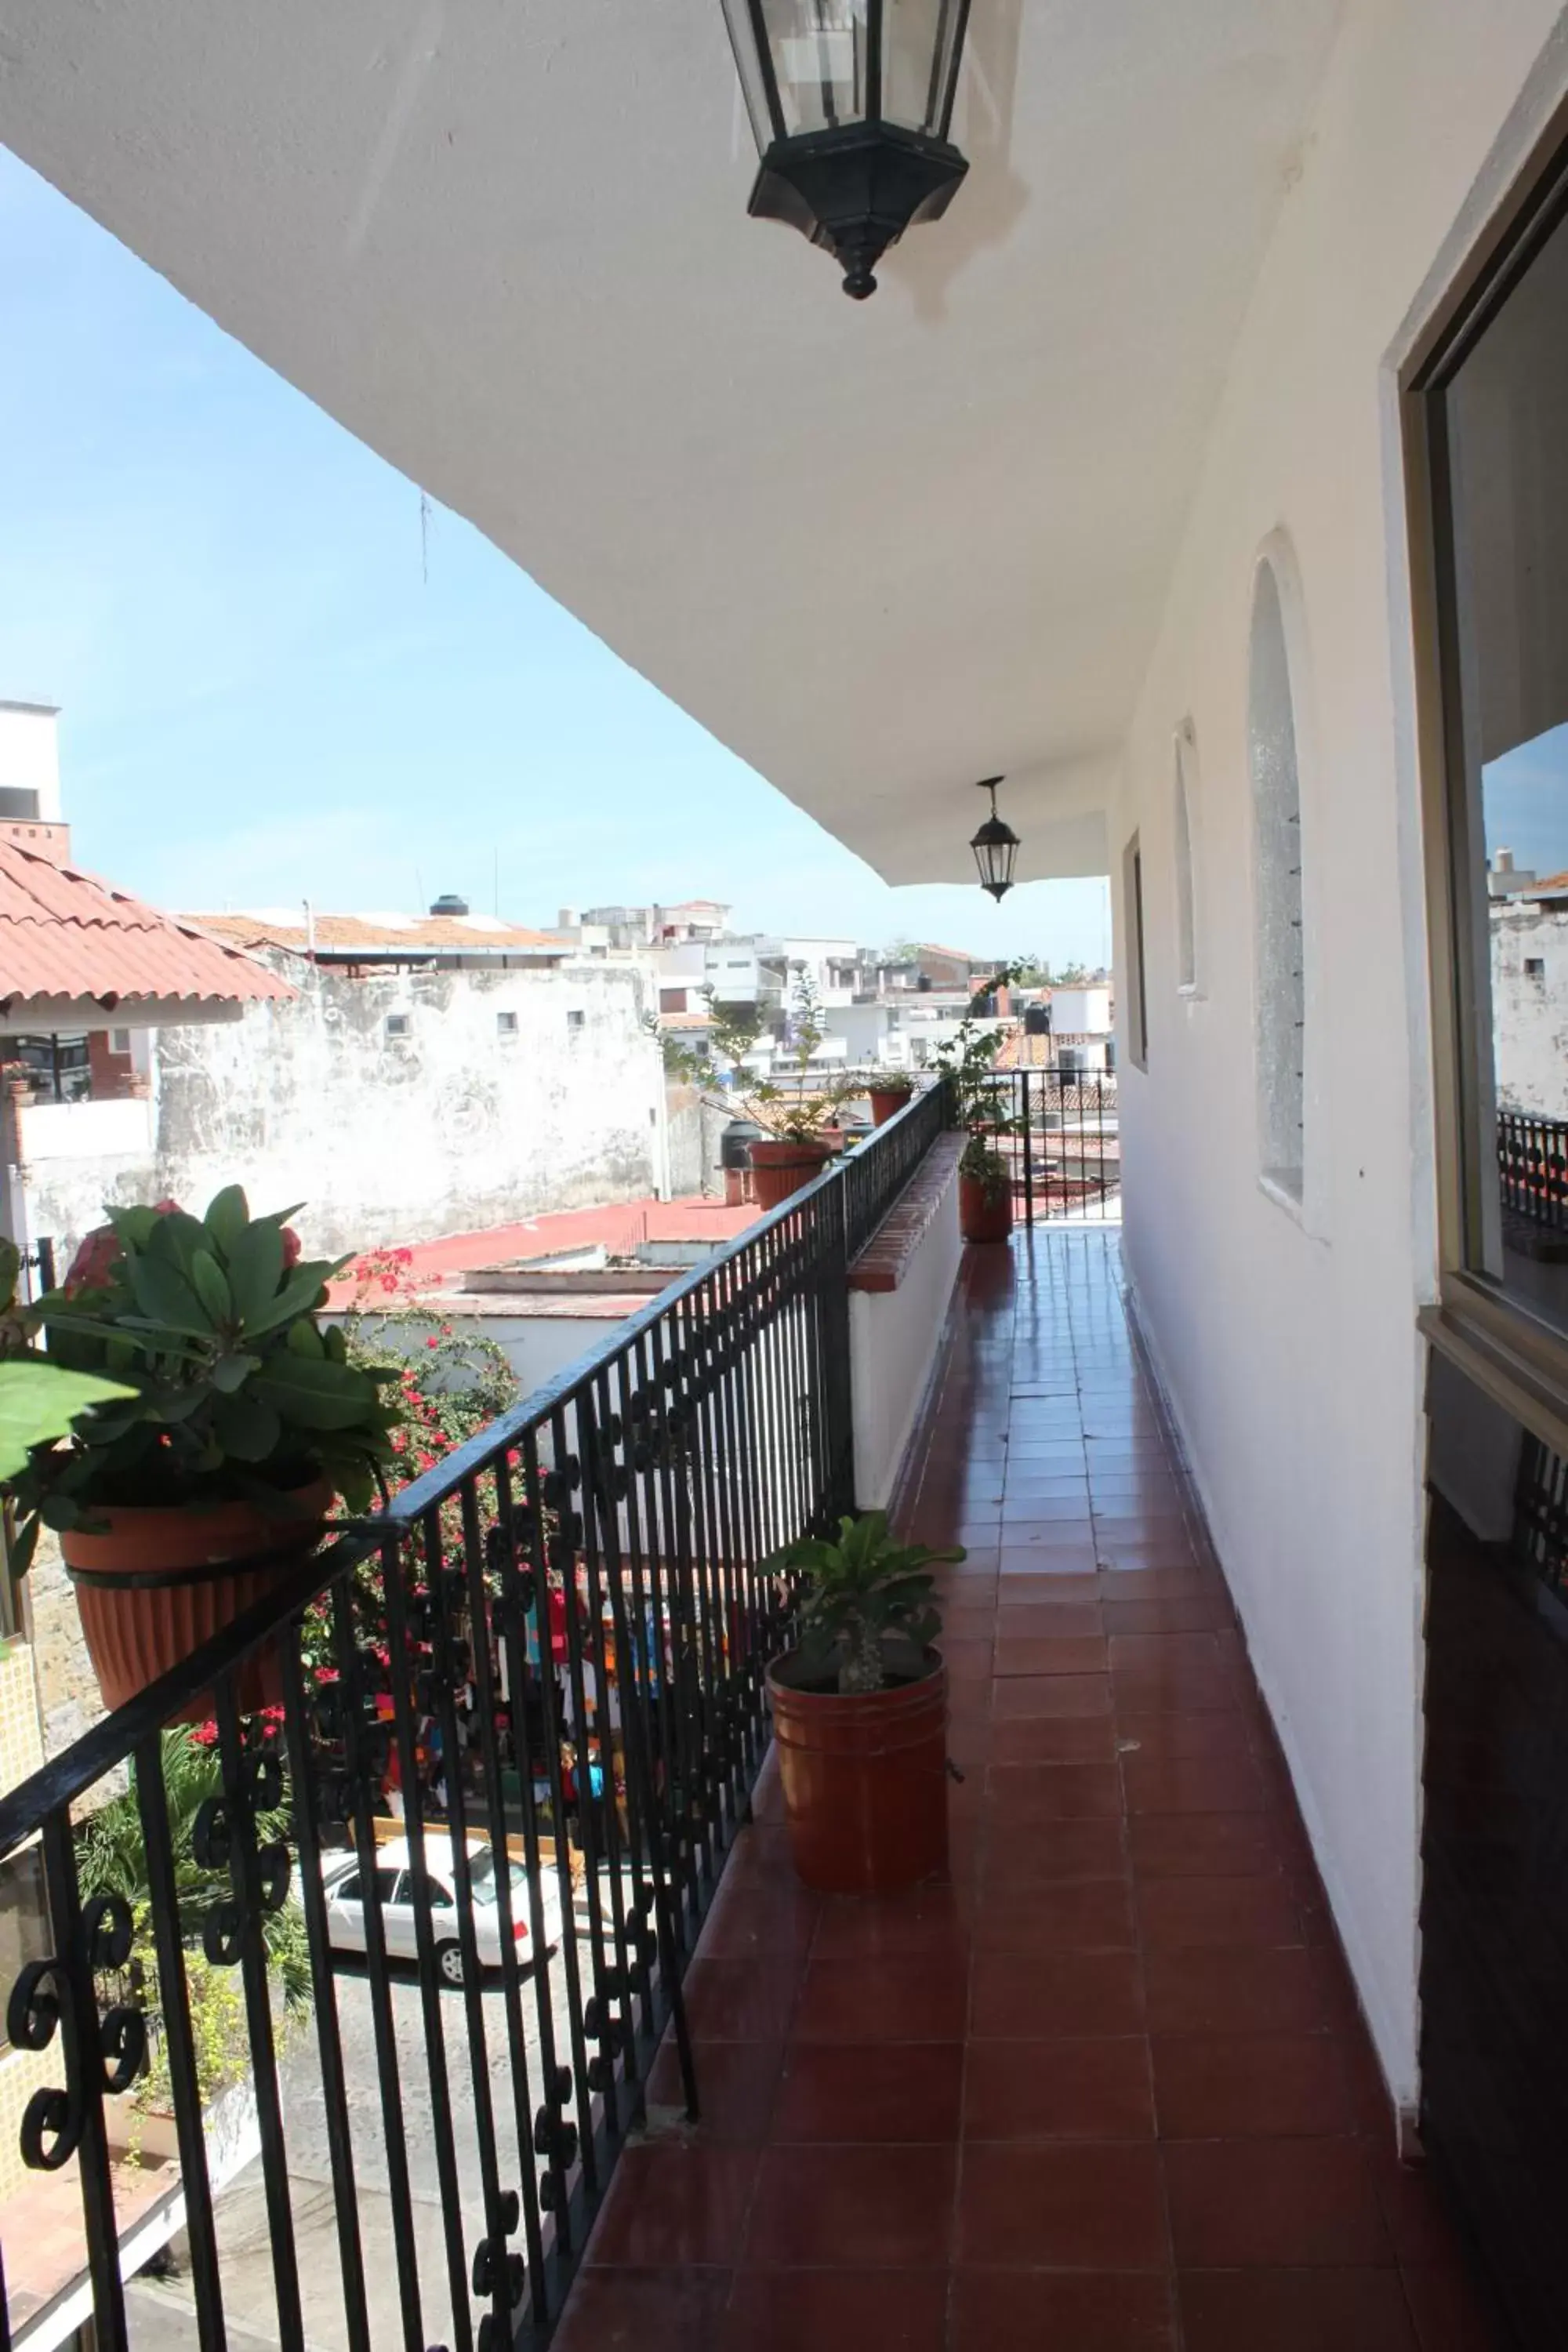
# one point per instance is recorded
(867, 1615)
(211, 1323)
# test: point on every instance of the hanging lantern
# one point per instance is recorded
(995, 846)
(851, 101)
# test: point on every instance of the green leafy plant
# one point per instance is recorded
(984, 1166)
(711, 1057)
(867, 1616)
(800, 1112)
(38, 1401)
(891, 1082)
(112, 1859)
(233, 1390)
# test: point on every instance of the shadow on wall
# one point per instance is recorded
(992, 200)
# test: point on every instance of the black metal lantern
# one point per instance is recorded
(851, 101)
(995, 846)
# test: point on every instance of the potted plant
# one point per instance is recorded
(859, 1711)
(181, 1503)
(890, 1090)
(968, 1061)
(801, 1138)
(985, 1192)
(801, 1122)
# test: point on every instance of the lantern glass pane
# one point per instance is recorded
(817, 51)
(919, 63)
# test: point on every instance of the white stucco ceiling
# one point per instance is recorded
(879, 549)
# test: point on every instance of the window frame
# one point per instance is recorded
(1517, 1359)
(1132, 899)
(1185, 833)
(1277, 557)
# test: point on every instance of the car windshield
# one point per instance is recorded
(482, 1875)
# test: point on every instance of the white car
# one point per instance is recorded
(394, 1892)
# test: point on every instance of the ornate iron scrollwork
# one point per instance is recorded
(43, 2003)
(216, 1847)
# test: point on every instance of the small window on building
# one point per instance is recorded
(119, 1041)
(575, 1018)
(506, 1025)
(398, 1025)
(1535, 967)
(1280, 944)
(1132, 917)
(1186, 890)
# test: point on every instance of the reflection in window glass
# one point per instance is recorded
(1505, 427)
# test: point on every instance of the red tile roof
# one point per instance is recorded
(339, 934)
(64, 934)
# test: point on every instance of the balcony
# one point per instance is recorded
(1111, 2087)
(1108, 2081)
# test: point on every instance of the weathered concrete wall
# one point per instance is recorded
(68, 1700)
(694, 1126)
(460, 1123)
(1530, 1010)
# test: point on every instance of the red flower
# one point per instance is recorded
(432, 1341)
(92, 1268)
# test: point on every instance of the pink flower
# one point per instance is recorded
(291, 1248)
(432, 1341)
(92, 1268)
(165, 1208)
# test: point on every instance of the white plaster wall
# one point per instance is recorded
(117, 1128)
(29, 755)
(1287, 1341)
(452, 1129)
(1529, 1014)
(537, 1347)
(893, 1341)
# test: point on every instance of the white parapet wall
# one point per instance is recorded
(895, 1329)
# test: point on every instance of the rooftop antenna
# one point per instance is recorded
(495, 855)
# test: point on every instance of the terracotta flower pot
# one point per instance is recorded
(780, 1169)
(984, 1215)
(865, 1782)
(887, 1101)
(190, 1582)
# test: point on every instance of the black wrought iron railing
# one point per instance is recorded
(515, 1718)
(1532, 1167)
(1056, 1126)
(877, 1172)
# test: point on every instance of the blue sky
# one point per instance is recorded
(1526, 803)
(272, 689)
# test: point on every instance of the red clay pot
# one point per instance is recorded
(887, 1101)
(864, 1783)
(135, 1635)
(780, 1169)
(983, 1215)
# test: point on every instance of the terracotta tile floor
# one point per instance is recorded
(1107, 2091)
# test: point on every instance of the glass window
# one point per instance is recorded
(1277, 885)
(1500, 444)
(23, 1919)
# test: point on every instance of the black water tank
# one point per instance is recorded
(734, 1144)
(448, 903)
(1038, 1021)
